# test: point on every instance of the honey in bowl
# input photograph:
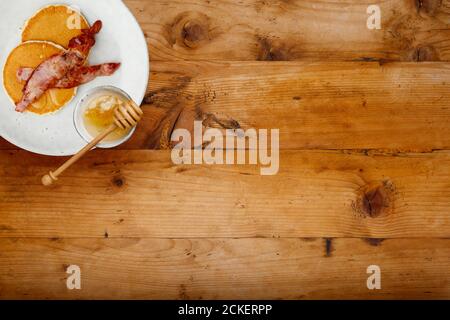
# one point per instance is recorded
(98, 115)
(94, 114)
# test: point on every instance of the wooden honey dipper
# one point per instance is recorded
(125, 117)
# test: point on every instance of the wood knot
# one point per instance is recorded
(219, 122)
(328, 247)
(428, 7)
(118, 181)
(273, 50)
(190, 30)
(375, 242)
(425, 53)
(194, 34)
(375, 199)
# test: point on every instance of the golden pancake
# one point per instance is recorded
(30, 55)
(57, 24)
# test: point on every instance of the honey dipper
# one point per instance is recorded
(125, 117)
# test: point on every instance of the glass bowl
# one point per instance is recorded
(83, 104)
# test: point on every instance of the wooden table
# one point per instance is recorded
(364, 119)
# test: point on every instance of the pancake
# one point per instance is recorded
(57, 24)
(31, 54)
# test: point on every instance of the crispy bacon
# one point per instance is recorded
(79, 76)
(76, 76)
(65, 70)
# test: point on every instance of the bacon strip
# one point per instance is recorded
(83, 75)
(76, 76)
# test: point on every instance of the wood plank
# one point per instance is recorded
(224, 268)
(396, 106)
(294, 30)
(142, 194)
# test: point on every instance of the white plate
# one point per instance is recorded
(121, 40)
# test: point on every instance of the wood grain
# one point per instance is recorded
(398, 106)
(142, 194)
(364, 172)
(224, 268)
(283, 30)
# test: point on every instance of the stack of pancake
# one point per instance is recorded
(47, 33)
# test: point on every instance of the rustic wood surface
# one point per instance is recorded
(364, 179)
(142, 194)
(136, 268)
